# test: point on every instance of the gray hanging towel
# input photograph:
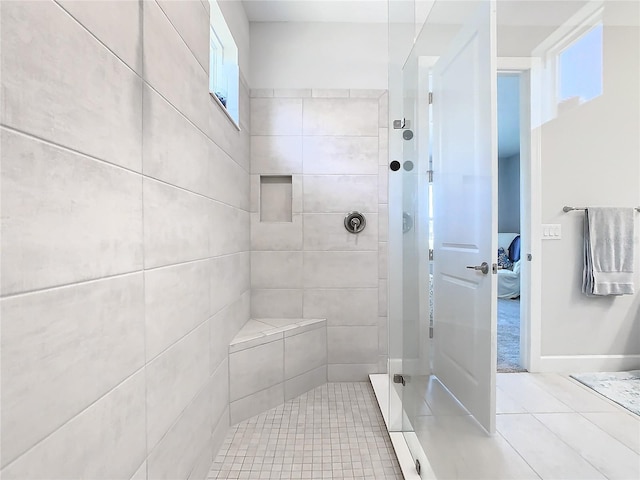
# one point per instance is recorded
(608, 251)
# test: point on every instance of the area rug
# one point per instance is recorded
(509, 336)
(620, 387)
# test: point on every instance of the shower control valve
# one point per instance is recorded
(354, 222)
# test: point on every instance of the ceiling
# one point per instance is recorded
(351, 11)
(522, 13)
(510, 12)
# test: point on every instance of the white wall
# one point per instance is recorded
(318, 55)
(590, 156)
(125, 241)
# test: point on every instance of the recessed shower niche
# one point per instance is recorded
(275, 198)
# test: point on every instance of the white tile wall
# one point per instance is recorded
(59, 65)
(116, 24)
(65, 217)
(174, 379)
(54, 343)
(334, 155)
(277, 303)
(334, 146)
(337, 116)
(272, 269)
(104, 441)
(340, 193)
(276, 116)
(277, 155)
(172, 69)
(126, 241)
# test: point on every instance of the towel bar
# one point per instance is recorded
(568, 209)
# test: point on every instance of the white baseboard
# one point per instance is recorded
(588, 363)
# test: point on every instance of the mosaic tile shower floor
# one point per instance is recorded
(332, 432)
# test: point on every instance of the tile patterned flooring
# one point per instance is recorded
(548, 427)
(332, 432)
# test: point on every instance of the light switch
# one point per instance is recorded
(551, 231)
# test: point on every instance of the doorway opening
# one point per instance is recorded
(509, 223)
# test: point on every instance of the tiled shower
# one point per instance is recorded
(133, 246)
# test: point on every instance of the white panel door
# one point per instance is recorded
(465, 216)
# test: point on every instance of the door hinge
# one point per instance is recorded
(431, 254)
(430, 332)
(430, 98)
(430, 175)
(398, 378)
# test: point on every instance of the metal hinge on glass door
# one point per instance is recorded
(430, 98)
(430, 175)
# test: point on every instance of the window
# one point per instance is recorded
(580, 69)
(224, 75)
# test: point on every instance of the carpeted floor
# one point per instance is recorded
(509, 335)
(620, 387)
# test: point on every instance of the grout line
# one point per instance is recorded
(193, 54)
(144, 277)
(117, 275)
(114, 165)
(100, 42)
(141, 77)
(77, 415)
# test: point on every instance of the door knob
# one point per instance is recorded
(484, 268)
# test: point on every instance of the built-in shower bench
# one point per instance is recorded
(272, 360)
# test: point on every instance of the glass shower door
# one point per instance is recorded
(412, 359)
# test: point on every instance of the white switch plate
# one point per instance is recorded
(551, 231)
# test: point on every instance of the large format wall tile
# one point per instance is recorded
(220, 398)
(104, 442)
(276, 269)
(173, 380)
(340, 193)
(340, 269)
(175, 226)
(326, 231)
(65, 218)
(342, 306)
(171, 68)
(305, 352)
(230, 278)
(276, 116)
(223, 326)
(276, 235)
(115, 23)
(229, 229)
(174, 151)
(257, 403)
(54, 343)
(273, 303)
(343, 349)
(177, 453)
(305, 382)
(335, 116)
(340, 155)
(176, 301)
(276, 155)
(60, 84)
(187, 18)
(228, 181)
(255, 369)
(351, 372)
